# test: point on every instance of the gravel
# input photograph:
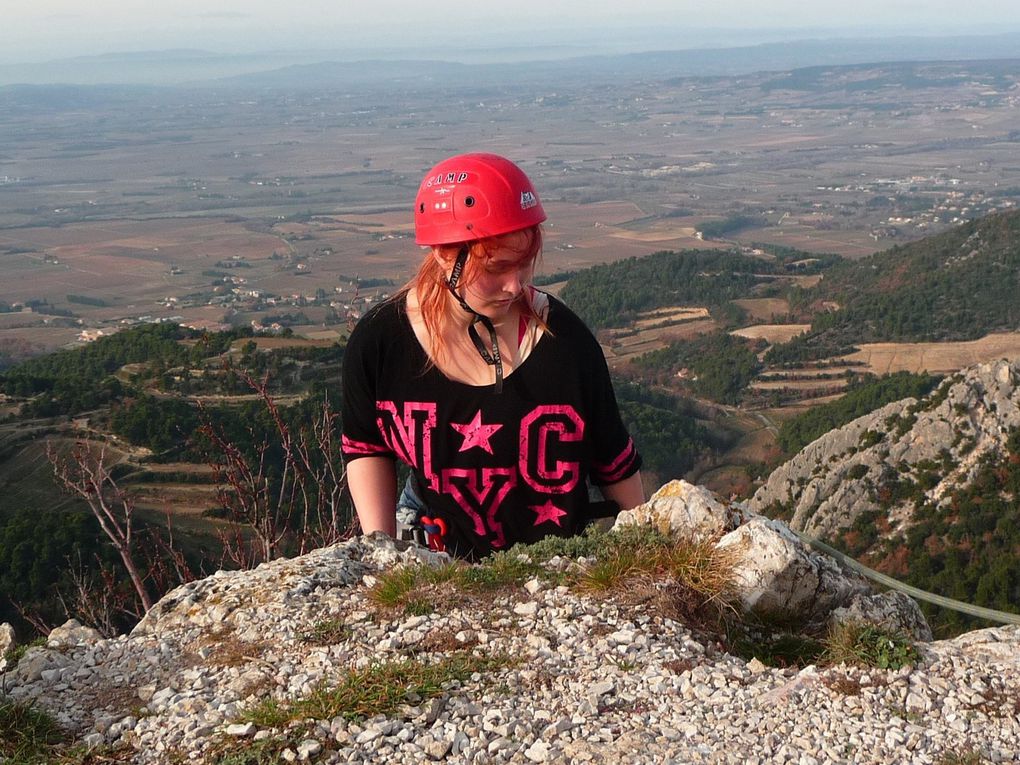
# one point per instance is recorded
(591, 682)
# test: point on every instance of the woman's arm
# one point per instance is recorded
(627, 493)
(373, 485)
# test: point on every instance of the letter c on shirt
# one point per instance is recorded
(544, 431)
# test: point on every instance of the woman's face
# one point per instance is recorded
(500, 280)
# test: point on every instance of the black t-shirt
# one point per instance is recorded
(498, 469)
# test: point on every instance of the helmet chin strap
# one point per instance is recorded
(489, 356)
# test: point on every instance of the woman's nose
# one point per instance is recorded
(513, 282)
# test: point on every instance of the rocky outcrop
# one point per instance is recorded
(581, 680)
(574, 678)
(680, 507)
(777, 577)
(936, 443)
(781, 579)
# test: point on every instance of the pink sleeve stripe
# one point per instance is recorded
(623, 456)
(618, 468)
(350, 446)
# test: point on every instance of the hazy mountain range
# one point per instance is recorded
(546, 64)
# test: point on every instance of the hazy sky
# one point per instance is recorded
(47, 29)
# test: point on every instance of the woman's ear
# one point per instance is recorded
(443, 260)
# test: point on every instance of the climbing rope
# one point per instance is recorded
(1003, 617)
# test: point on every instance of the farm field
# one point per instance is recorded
(296, 195)
(848, 243)
(623, 345)
(764, 309)
(884, 358)
(772, 333)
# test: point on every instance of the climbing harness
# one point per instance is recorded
(435, 530)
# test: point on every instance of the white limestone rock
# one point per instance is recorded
(778, 577)
(682, 508)
(995, 644)
(891, 610)
(7, 643)
(223, 598)
(72, 633)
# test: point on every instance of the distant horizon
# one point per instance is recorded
(58, 37)
(636, 52)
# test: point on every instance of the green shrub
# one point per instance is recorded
(869, 646)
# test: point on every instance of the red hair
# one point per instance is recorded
(430, 281)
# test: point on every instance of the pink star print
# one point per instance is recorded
(476, 434)
(548, 512)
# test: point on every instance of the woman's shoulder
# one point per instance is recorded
(568, 329)
(562, 318)
(382, 322)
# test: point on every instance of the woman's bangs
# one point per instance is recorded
(527, 251)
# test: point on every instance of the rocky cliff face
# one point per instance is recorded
(936, 444)
(571, 677)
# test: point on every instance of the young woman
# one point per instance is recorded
(494, 393)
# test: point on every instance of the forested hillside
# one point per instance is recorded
(862, 396)
(964, 548)
(958, 285)
(612, 295)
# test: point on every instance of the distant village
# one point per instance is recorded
(340, 306)
(937, 202)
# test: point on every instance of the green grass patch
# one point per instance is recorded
(416, 589)
(379, 689)
(327, 632)
(500, 571)
(586, 545)
(265, 752)
(855, 643)
(15, 655)
(28, 735)
(866, 645)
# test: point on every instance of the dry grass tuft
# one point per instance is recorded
(1000, 704)
(327, 632)
(962, 757)
(679, 666)
(228, 650)
(682, 579)
(116, 699)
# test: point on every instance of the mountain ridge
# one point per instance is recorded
(921, 489)
(203, 68)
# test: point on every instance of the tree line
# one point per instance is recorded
(863, 395)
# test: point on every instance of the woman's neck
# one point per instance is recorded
(460, 319)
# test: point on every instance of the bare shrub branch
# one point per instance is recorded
(280, 507)
(84, 472)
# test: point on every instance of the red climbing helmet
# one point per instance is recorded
(474, 196)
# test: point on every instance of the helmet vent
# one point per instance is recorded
(469, 201)
(421, 207)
